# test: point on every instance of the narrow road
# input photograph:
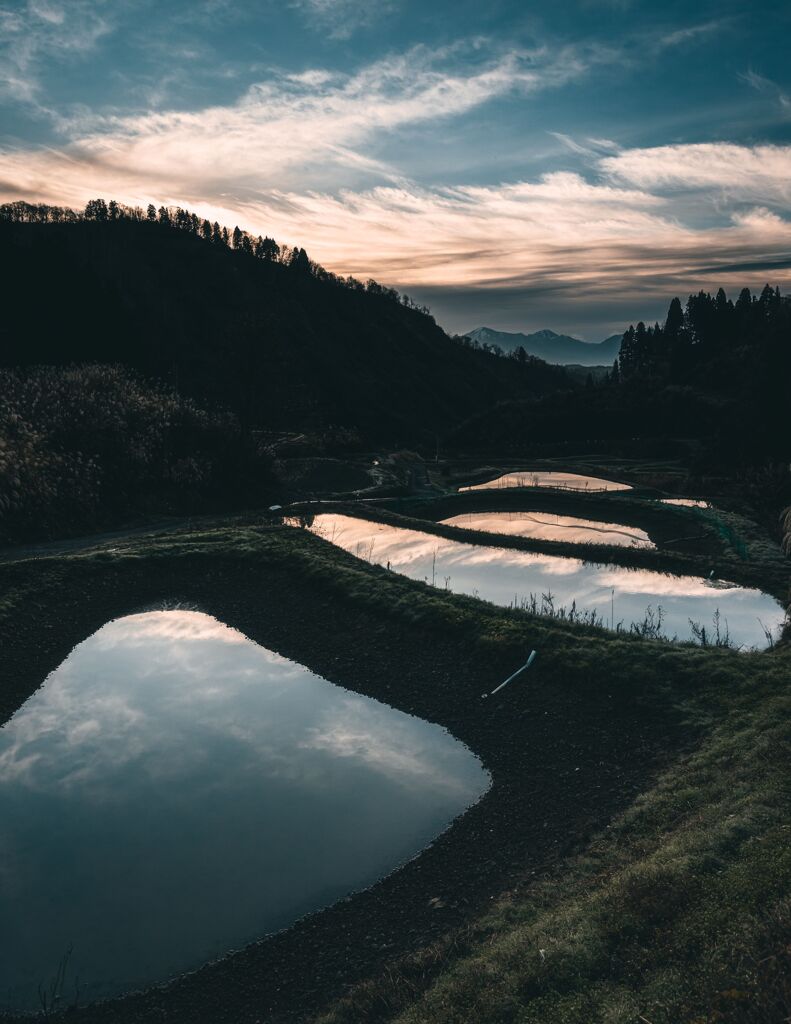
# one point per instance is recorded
(69, 545)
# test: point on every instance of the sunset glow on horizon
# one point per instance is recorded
(572, 170)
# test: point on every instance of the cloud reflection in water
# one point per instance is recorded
(174, 791)
(506, 576)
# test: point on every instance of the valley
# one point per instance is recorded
(430, 652)
(261, 587)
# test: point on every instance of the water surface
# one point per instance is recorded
(558, 481)
(615, 594)
(548, 526)
(174, 791)
(686, 502)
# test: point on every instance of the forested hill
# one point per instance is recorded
(240, 322)
(716, 376)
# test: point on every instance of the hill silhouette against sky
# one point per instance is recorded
(271, 336)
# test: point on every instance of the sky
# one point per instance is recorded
(515, 165)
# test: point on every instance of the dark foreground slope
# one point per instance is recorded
(278, 344)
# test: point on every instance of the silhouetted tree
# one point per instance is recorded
(299, 261)
(96, 209)
(627, 357)
(744, 303)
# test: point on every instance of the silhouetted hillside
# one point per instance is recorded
(280, 342)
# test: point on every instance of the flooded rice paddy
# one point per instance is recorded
(616, 597)
(548, 526)
(556, 480)
(174, 791)
(686, 502)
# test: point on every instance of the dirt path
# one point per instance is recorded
(87, 542)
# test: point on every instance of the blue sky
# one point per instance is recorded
(569, 165)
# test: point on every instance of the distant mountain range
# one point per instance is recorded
(551, 347)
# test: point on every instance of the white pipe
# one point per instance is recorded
(519, 671)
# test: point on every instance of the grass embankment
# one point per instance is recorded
(680, 911)
(631, 861)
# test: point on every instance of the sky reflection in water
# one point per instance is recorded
(558, 481)
(174, 791)
(548, 526)
(686, 502)
(503, 576)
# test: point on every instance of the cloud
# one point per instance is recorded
(606, 144)
(693, 33)
(626, 233)
(571, 144)
(41, 31)
(318, 123)
(750, 173)
(766, 85)
(593, 149)
(342, 18)
(299, 156)
(559, 232)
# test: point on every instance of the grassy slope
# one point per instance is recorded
(679, 911)
(676, 911)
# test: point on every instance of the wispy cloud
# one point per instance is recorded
(693, 33)
(317, 121)
(759, 174)
(560, 232)
(605, 144)
(40, 31)
(765, 85)
(300, 156)
(591, 148)
(572, 144)
(342, 18)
